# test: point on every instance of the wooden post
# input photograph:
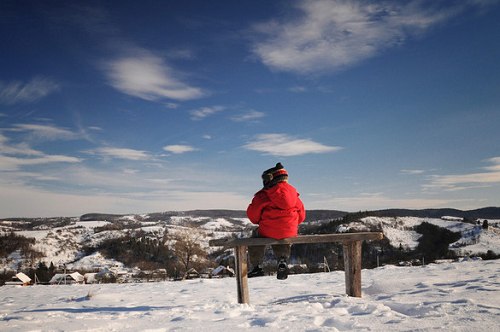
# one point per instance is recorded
(240, 254)
(352, 266)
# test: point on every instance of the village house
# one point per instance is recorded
(19, 279)
(66, 279)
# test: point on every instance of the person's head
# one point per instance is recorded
(274, 175)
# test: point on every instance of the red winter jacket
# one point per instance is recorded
(277, 210)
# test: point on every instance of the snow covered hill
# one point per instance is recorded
(475, 239)
(64, 244)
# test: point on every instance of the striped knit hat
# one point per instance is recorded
(274, 175)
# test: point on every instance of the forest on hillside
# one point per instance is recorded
(178, 252)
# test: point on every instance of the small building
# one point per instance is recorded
(191, 274)
(222, 271)
(77, 277)
(64, 278)
(19, 279)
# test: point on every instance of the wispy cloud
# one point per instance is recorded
(203, 112)
(249, 116)
(178, 149)
(129, 68)
(467, 181)
(376, 201)
(120, 153)
(412, 171)
(298, 89)
(18, 91)
(13, 156)
(13, 163)
(45, 132)
(147, 76)
(329, 35)
(16, 149)
(285, 145)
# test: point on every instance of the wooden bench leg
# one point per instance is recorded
(240, 254)
(352, 266)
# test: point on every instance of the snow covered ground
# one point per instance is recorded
(461, 296)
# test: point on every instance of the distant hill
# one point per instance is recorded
(483, 213)
(313, 215)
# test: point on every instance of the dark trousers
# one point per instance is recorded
(256, 253)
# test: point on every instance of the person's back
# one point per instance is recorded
(278, 211)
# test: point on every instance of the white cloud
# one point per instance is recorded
(46, 132)
(467, 181)
(298, 89)
(203, 112)
(285, 145)
(329, 35)
(249, 116)
(178, 149)
(378, 201)
(18, 91)
(495, 167)
(120, 153)
(172, 105)
(147, 76)
(8, 161)
(17, 149)
(13, 163)
(412, 171)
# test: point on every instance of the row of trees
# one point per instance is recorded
(176, 253)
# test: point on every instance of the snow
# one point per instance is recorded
(92, 224)
(398, 231)
(94, 261)
(217, 224)
(461, 296)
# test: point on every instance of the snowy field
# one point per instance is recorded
(461, 296)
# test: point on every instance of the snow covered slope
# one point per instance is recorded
(63, 245)
(475, 239)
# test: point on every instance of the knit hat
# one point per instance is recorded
(274, 175)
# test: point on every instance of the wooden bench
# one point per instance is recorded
(352, 256)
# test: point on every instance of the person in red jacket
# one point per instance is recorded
(278, 211)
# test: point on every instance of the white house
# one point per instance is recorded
(19, 279)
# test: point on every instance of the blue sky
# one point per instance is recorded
(150, 106)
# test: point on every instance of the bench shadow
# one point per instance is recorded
(104, 309)
(310, 298)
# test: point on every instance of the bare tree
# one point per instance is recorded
(188, 245)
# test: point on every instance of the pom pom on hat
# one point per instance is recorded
(274, 175)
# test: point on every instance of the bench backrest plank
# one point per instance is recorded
(342, 237)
